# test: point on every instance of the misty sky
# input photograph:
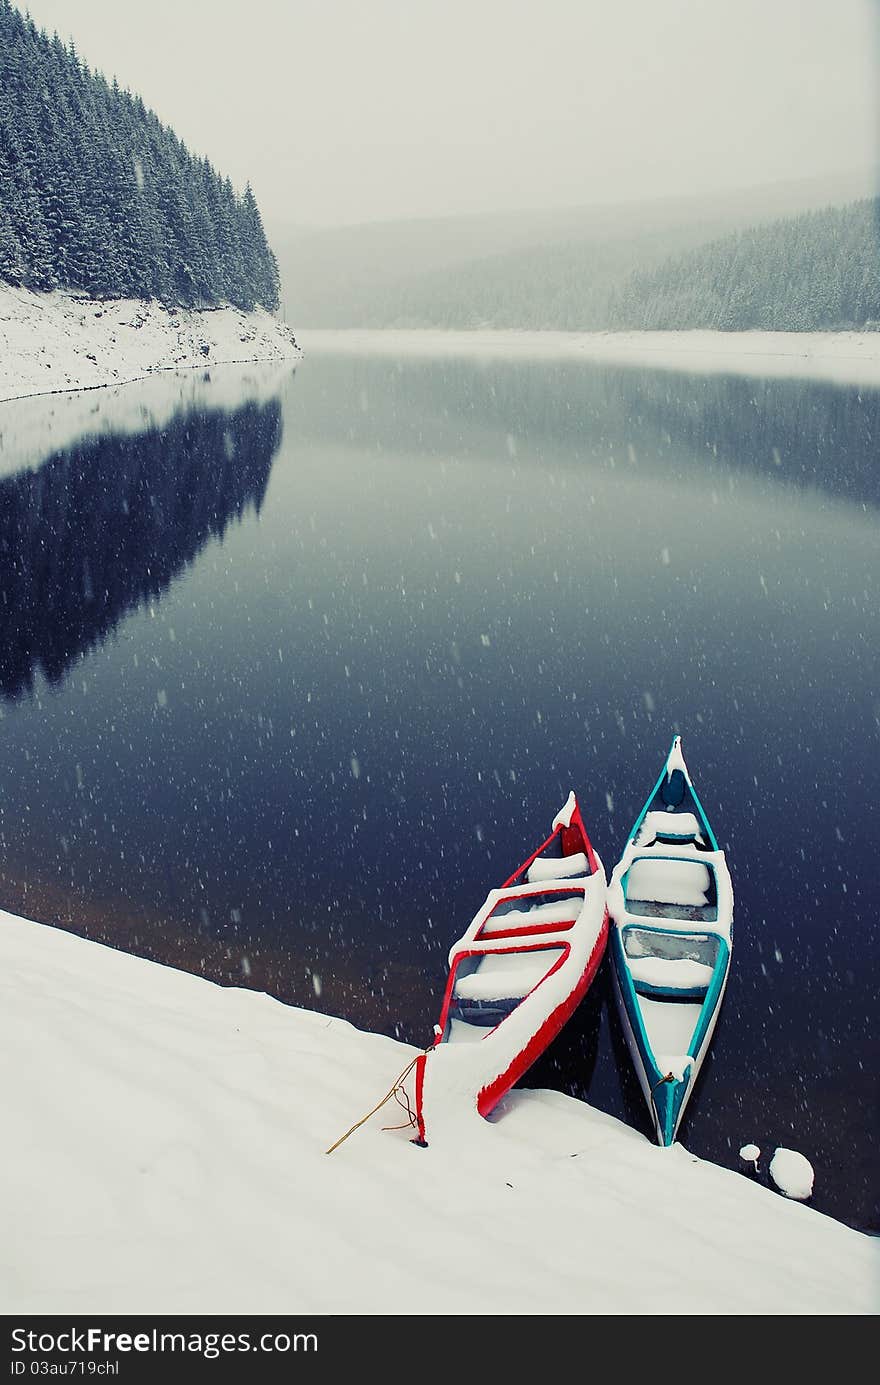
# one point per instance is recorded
(362, 110)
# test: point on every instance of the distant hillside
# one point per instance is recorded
(817, 271)
(556, 268)
(97, 195)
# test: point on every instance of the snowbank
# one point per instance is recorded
(59, 341)
(165, 1153)
(847, 357)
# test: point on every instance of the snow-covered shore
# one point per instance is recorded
(847, 357)
(59, 341)
(166, 1153)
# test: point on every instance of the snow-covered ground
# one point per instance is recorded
(849, 357)
(165, 1152)
(59, 341)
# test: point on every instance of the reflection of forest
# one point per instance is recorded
(106, 525)
(802, 432)
(798, 432)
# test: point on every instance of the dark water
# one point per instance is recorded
(287, 685)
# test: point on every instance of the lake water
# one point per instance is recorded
(294, 669)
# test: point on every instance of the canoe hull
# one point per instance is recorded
(544, 932)
(666, 1101)
(670, 902)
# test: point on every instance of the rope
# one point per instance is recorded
(392, 1091)
(404, 1106)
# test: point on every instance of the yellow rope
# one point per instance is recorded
(387, 1097)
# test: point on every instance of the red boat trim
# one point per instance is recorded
(530, 929)
(490, 1095)
(511, 879)
(533, 930)
(420, 1089)
(574, 840)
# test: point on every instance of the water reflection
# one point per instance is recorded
(467, 589)
(808, 434)
(802, 433)
(106, 525)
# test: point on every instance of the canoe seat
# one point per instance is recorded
(670, 888)
(558, 867)
(679, 978)
(503, 974)
(666, 965)
(521, 913)
(483, 1013)
(677, 828)
(666, 880)
(488, 986)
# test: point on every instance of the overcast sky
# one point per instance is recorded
(362, 110)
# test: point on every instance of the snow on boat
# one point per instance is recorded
(515, 977)
(670, 902)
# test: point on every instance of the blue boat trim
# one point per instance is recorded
(655, 800)
(630, 997)
(672, 794)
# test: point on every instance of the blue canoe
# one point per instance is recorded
(670, 905)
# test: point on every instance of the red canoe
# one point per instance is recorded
(515, 977)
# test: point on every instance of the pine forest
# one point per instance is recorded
(98, 196)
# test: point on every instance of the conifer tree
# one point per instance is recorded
(813, 272)
(97, 196)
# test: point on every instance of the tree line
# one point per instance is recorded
(813, 272)
(714, 268)
(97, 195)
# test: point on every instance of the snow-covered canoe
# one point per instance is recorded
(670, 901)
(515, 977)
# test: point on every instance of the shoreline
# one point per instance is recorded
(194, 1115)
(59, 342)
(34, 426)
(89, 344)
(843, 357)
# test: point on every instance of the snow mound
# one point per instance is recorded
(792, 1174)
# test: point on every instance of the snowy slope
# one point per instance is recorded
(58, 341)
(165, 1153)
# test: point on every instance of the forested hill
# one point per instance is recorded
(97, 195)
(813, 272)
(556, 267)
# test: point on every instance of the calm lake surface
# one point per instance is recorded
(294, 669)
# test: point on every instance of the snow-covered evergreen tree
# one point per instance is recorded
(813, 272)
(97, 195)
